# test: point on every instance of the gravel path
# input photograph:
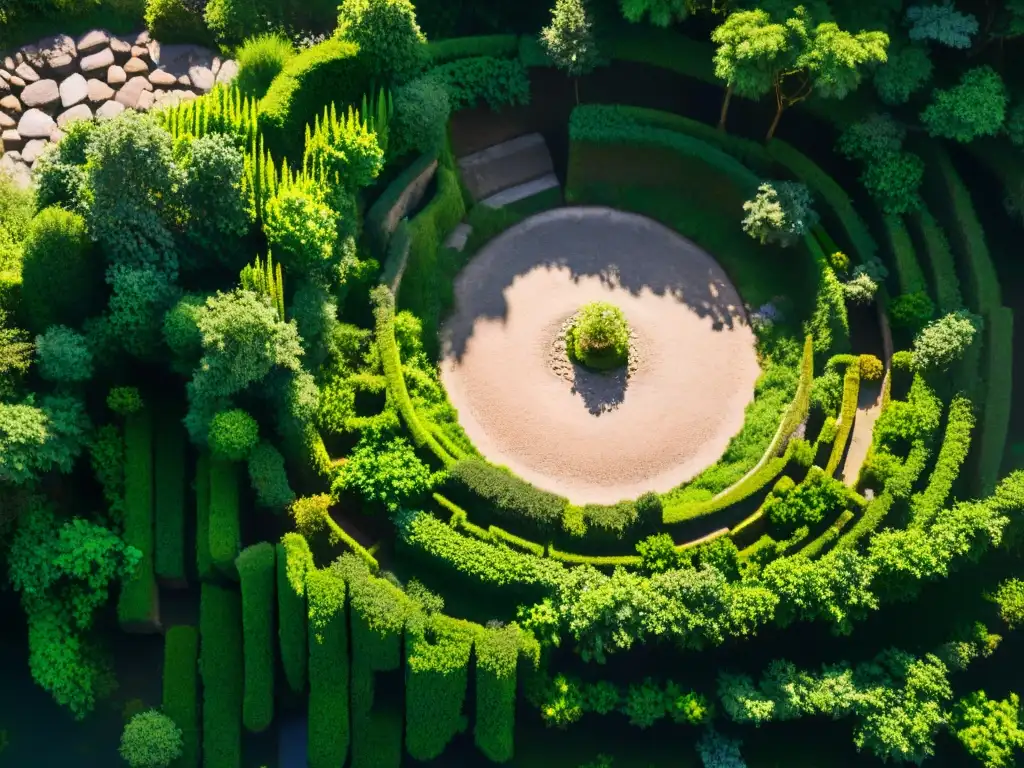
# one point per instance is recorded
(598, 439)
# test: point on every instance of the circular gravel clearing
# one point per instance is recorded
(600, 439)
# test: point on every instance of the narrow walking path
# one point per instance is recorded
(869, 406)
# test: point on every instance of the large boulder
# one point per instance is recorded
(26, 72)
(34, 149)
(228, 71)
(116, 76)
(42, 94)
(98, 91)
(93, 41)
(10, 104)
(132, 91)
(135, 67)
(62, 65)
(161, 78)
(122, 49)
(74, 90)
(36, 124)
(12, 140)
(79, 112)
(202, 78)
(97, 63)
(109, 110)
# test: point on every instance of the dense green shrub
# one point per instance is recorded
(497, 656)
(169, 462)
(225, 533)
(422, 109)
(63, 355)
(388, 474)
(437, 661)
(221, 667)
(150, 740)
(233, 434)
(328, 669)
(498, 46)
(35, 440)
(497, 495)
(911, 311)
(808, 503)
(137, 606)
(181, 691)
(975, 107)
(330, 71)
(1010, 600)
(268, 477)
(388, 37)
(260, 59)
(780, 213)
(955, 444)
(498, 82)
(175, 21)
(58, 247)
(847, 414)
(124, 400)
(991, 731)
(214, 204)
(598, 336)
(294, 561)
(204, 559)
(944, 341)
(255, 566)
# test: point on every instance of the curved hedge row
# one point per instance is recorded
(848, 412)
(220, 663)
(998, 378)
(294, 561)
(329, 737)
(942, 267)
(256, 573)
(908, 269)
(955, 445)
(377, 229)
(181, 690)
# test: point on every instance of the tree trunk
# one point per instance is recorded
(775, 124)
(576, 88)
(725, 108)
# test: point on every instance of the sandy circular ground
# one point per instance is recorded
(590, 437)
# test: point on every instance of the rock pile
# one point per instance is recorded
(46, 86)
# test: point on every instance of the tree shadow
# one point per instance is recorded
(601, 391)
(625, 251)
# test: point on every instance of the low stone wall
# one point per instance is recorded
(48, 85)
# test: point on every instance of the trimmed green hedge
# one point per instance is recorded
(998, 378)
(204, 561)
(497, 658)
(821, 544)
(502, 536)
(498, 46)
(848, 412)
(328, 670)
(945, 283)
(170, 501)
(908, 270)
(220, 663)
(332, 71)
(256, 573)
(955, 445)
(137, 607)
(376, 226)
(870, 519)
(497, 496)
(181, 690)
(498, 82)
(225, 526)
(437, 673)
(384, 317)
(294, 561)
(830, 323)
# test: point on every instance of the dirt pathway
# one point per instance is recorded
(869, 406)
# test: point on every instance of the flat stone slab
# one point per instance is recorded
(162, 78)
(136, 67)
(80, 112)
(36, 124)
(505, 165)
(41, 94)
(11, 104)
(26, 73)
(97, 63)
(93, 40)
(6, 121)
(12, 140)
(457, 239)
(521, 191)
(74, 90)
(109, 110)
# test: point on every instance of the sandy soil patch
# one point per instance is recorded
(592, 437)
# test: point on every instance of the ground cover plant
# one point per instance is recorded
(223, 419)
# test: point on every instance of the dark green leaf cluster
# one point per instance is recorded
(255, 566)
(496, 495)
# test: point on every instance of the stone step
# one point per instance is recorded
(521, 191)
(458, 237)
(505, 165)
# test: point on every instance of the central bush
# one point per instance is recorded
(598, 336)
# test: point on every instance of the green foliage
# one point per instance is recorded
(569, 40)
(260, 59)
(906, 70)
(422, 109)
(847, 414)
(955, 444)
(808, 503)
(496, 494)
(598, 336)
(60, 173)
(941, 23)
(344, 148)
(64, 356)
(750, 47)
(975, 107)
(224, 533)
(150, 740)
(998, 397)
(58, 243)
(328, 669)
(388, 37)
(124, 401)
(169, 499)
(387, 473)
(222, 669)
(990, 730)
(303, 230)
(232, 21)
(718, 751)
(174, 21)
(940, 262)
(662, 13)
(944, 341)
(497, 82)
(780, 213)
(294, 561)
(141, 296)
(262, 277)
(181, 692)
(256, 573)
(1010, 599)
(871, 368)
(35, 440)
(912, 311)
(268, 477)
(106, 454)
(138, 603)
(233, 434)
(214, 206)
(497, 655)
(204, 559)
